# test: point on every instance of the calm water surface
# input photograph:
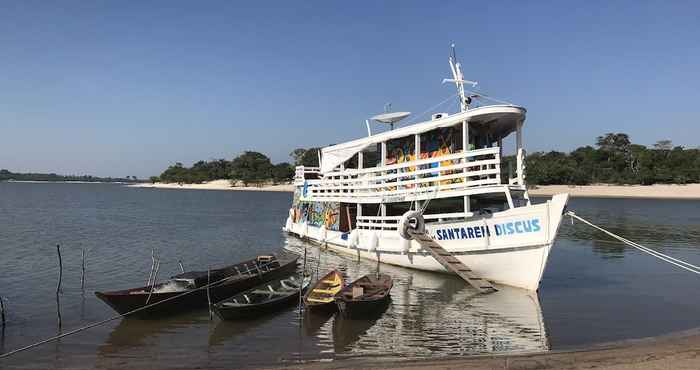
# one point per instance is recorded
(592, 291)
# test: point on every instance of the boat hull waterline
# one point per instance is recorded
(509, 247)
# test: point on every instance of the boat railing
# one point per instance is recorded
(452, 172)
(519, 178)
(303, 172)
(392, 222)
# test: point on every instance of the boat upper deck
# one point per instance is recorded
(422, 161)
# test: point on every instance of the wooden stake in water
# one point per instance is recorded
(60, 269)
(2, 312)
(82, 276)
(211, 317)
(303, 270)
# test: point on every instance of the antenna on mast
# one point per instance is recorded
(458, 79)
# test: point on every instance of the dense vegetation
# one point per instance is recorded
(248, 168)
(6, 175)
(615, 160)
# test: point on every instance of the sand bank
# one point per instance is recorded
(691, 191)
(215, 185)
(678, 351)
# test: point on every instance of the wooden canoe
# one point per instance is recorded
(227, 281)
(269, 297)
(321, 297)
(364, 296)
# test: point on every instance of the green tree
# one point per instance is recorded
(297, 155)
(282, 172)
(251, 167)
(310, 158)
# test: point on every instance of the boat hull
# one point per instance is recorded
(253, 311)
(124, 302)
(363, 309)
(510, 247)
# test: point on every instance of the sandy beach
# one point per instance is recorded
(691, 191)
(659, 191)
(214, 185)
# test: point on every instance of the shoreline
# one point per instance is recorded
(677, 350)
(214, 185)
(658, 191)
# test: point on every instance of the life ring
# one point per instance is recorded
(413, 221)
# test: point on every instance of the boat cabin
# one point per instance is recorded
(454, 163)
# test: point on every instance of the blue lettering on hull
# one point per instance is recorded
(477, 232)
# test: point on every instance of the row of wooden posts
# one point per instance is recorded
(3, 309)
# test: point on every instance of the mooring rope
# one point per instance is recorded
(83, 328)
(664, 257)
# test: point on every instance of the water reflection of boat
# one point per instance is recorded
(438, 314)
(135, 332)
(509, 320)
(314, 320)
(226, 330)
(347, 331)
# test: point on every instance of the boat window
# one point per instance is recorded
(351, 163)
(370, 209)
(397, 209)
(518, 199)
(370, 156)
(400, 150)
(495, 202)
(441, 141)
(445, 205)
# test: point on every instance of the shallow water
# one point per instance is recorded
(592, 291)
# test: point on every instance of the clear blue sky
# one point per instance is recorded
(128, 87)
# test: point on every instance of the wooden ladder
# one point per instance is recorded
(451, 263)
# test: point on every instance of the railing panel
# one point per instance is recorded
(445, 173)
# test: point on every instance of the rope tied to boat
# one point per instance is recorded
(664, 257)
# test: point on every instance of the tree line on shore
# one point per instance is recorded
(248, 168)
(614, 159)
(6, 175)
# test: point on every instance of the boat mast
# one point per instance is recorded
(458, 79)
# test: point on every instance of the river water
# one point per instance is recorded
(592, 291)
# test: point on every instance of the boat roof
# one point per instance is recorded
(498, 120)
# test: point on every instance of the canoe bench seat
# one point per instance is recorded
(320, 300)
(324, 291)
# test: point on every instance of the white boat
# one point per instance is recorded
(452, 166)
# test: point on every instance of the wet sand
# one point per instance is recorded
(677, 351)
